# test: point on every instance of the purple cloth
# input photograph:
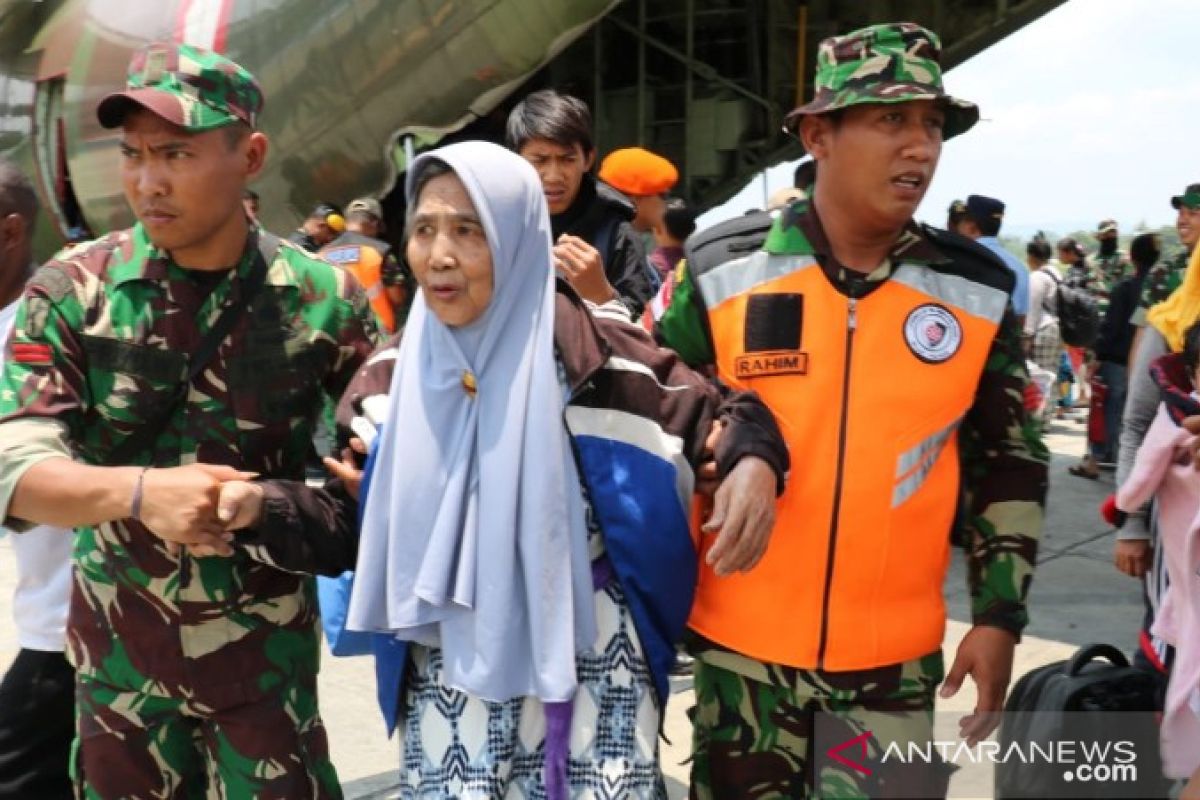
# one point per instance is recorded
(665, 257)
(558, 715)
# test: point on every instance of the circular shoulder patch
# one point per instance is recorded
(933, 333)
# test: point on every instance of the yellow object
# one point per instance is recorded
(1173, 316)
(468, 383)
(336, 223)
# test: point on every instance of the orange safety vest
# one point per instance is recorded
(365, 263)
(869, 400)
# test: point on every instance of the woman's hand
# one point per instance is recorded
(347, 469)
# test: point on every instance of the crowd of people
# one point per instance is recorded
(562, 453)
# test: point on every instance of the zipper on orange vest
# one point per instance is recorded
(851, 326)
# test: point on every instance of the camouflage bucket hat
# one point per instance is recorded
(196, 89)
(891, 63)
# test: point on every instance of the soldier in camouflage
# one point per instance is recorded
(788, 303)
(193, 621)
(1111, 262)
(1165, 276)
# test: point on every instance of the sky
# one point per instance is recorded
(1084, 115)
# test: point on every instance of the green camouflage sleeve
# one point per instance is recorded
(682, 327)
(1005, 471)
(282, 538)
(1162, 279)
(357, 336)
(43, 382)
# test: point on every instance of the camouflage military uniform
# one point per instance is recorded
(757, 725)
(178, 654)
(1162, 279)
(1110, 270)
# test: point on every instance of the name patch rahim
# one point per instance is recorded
(782, 362)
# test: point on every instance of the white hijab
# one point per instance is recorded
(473, 530)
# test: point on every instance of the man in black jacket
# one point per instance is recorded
(595, 248)
(1112, 347)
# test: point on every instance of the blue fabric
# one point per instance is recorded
(391, 656)
(1020, 295)
(333, 596)
(647, 538)
(648, 541)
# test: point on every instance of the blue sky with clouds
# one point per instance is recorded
(1086, 113)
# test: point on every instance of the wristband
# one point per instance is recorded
(135, 506)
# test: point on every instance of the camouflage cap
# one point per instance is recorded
(365, 205)
(191, 87)
(1106, 226)
(1189, 199)
(896, 62)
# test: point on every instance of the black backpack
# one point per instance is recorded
(1078, 313)
(1095, 704)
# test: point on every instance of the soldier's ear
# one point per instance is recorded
(12, 231)
(814, 132)
(254, 151)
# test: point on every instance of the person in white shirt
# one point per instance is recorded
(37, 695)
(1043, 344)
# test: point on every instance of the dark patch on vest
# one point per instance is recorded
(774, 322)
(760, 365)
(150, 363)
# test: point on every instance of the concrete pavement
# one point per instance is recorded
(1077, 598)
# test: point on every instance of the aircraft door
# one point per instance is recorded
(50, 156)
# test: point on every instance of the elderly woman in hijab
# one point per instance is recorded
(525, 560)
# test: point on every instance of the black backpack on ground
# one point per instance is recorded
(1078, 313)
(1094, 704)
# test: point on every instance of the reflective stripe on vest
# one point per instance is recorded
(366, 264)
(869, 394)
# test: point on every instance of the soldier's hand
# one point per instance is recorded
(179, 504)
(986, 654)
(743, 515)
(347, 469)
(240, 505)
(581, 265)
(1132, 556)
(707, 479)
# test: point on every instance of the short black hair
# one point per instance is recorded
(1039, 248)
(679, 219)
(249, 194)
(1191, 349)
(955, 214)
(1144, 250)
(235, 132)
(1069, 245)
(546, 114)
(805, 174)
(988, 226)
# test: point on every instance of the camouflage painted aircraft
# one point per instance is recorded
(355, 87)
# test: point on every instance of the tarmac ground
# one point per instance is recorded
(1077, 598)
